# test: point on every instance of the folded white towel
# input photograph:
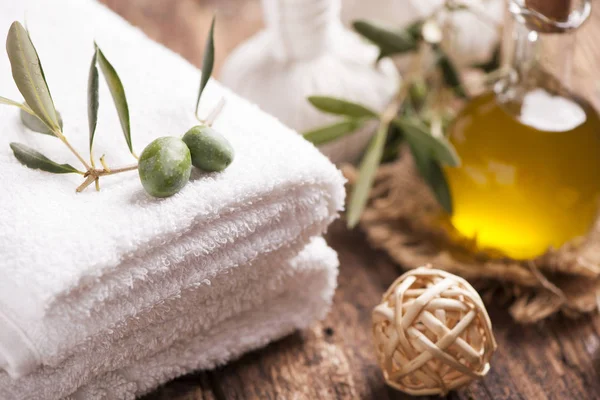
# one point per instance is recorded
(74, 266)
(201, 328)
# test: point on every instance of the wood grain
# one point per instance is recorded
(557, 359)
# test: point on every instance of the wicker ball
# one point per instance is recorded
(432, 333)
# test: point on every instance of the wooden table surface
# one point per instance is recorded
(557, 359)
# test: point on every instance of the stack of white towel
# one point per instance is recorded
(106, 295)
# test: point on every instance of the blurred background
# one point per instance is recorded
(182, 25)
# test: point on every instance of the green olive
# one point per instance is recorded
(210, 150)
(165, 166)
(35, 124)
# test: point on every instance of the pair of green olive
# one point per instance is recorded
(166, 163)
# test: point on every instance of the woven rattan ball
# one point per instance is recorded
(432, 333)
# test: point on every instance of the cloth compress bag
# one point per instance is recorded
(306, 51)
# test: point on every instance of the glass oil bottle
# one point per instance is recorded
(530, 149)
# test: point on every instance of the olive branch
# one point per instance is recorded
(418, 115)
(39, 114)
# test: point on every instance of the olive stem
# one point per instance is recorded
(118, 170)
(62, 137)
(92, 159)
(88, 181)
(104, 163)
(97, 181)
(93, 175)
(104, 172)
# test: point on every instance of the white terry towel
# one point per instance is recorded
(73, 266)
(203, 327)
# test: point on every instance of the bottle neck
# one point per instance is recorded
(301, 29)
(538, 54)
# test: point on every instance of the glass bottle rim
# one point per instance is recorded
(576, 18)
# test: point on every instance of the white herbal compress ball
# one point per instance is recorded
(397, 13)
(474, 37)
(432, 333)
(306, 51)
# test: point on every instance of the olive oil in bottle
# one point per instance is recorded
(530, 150)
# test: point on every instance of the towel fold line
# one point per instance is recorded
(18, 355)
(315, 268)
(104, 273)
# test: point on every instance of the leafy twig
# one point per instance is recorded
(30, 79)
(93, 174)
(40, 114)
(371, 160)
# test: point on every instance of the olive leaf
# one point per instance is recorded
(118, 94)
(433, 175)
(92, 99)
(332, 132)
(453, 6)
(417, 92)
(415, 29)
(388, 41)
(450, 73)
(418, 135)
(34, 159)
(208, 61)
(394, 139)
(29, 76)
(367, 170)
(493, 63)
(33, 122)
(337, 106)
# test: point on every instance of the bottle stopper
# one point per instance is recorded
(556, 10)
